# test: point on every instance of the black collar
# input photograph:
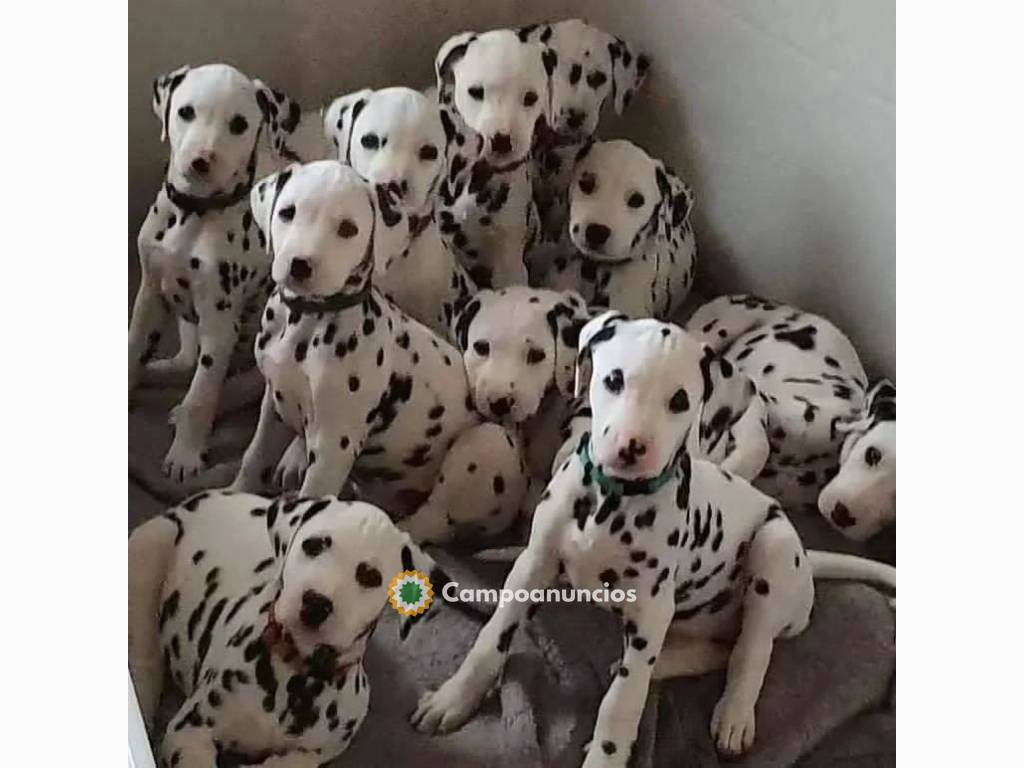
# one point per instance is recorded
(200, 205)
(333, 303)
(498, 170)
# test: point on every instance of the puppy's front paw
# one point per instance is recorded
(292, 468)
(732, 726)
(183, 461)
(445, 709)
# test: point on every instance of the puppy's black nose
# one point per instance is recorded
(501, 143)
(576, 118)
(597, 235)
(201, 166)
(629, 453)
(315, 609)
(841, 516)
(300, 269)
(502, 406)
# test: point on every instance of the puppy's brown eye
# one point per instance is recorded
(186, 113)
(534, 356)
(238, 125)
(348, 228)
(575, 74)
(636, 200)
(872, 456)
(287, 213)
(530, 99)
(482, 348)
(476, 92)
(596, 79)
(428, 152)
(613, 381)
(370, 141)
(587, 183)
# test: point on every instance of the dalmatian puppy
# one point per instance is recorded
(519, 348)
(260, 612)
(712, 560)
(630, 226)
(494, 94)
(810, 383)
(861, 499)
(201, 260)
(374, 396)
(593, 69)
(394, 139)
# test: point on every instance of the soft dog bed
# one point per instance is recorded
(828, 696)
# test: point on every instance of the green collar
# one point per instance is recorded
(641, 487)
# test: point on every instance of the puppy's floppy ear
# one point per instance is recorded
(601, 328)
(340, 119)
(880, 401)
(163, 90)
(453, 49)
(566, 319)
(726, 395)
(281, 116)
(879, 406)
(413, 558)
(629, 70)
(538, 32)
(464, 315)
(712, 368)
(676, 195)
(263, 201)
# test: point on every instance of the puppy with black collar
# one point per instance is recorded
(394, 139)
(260, 612)
(593, 69)
(813, 390)
(706, 553)
(199, 249)
(629, 223)
(367, 392)
(494, 94)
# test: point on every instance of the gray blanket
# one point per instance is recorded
(828, 697)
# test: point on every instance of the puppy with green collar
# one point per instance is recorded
(714, 562)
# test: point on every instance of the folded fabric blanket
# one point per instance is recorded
(827, 699)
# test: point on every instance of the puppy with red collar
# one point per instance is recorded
(260, 612)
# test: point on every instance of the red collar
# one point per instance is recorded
(280, 643)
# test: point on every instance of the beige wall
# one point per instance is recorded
(781, 114)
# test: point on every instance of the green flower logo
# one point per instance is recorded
(410, 593)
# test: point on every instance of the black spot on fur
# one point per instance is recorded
(505, 638)
(802, 338)
(368, 576)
